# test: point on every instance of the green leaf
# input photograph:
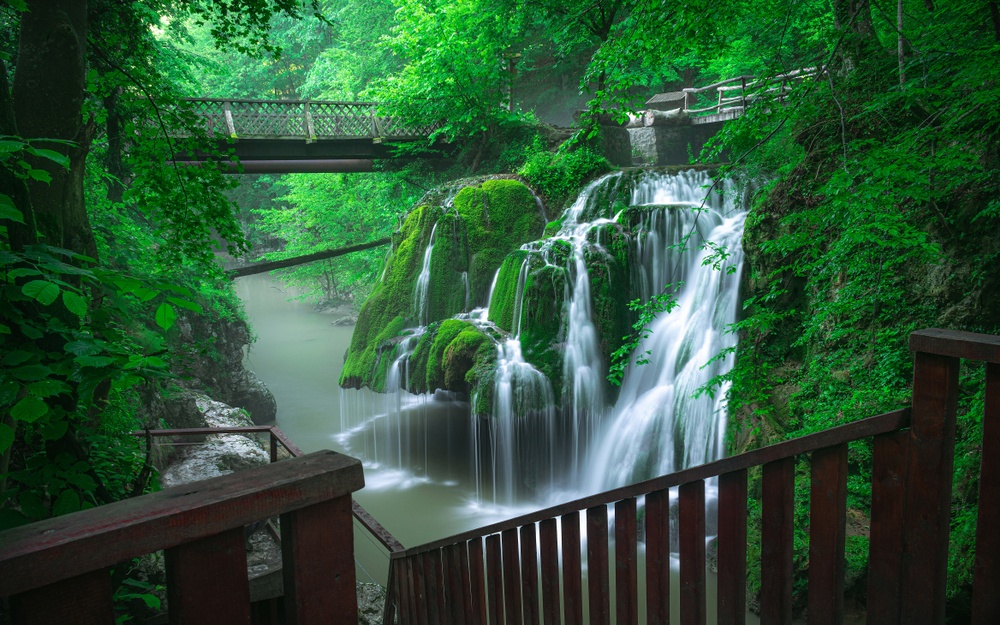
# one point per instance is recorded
(9, 211)
(6, 437)
(16, 357)
(4, 329)
(31, 373)
(74, 303)
(82, 348)
(40, 175)
(47, 388)
(29, 409)
(54, 429)
(57, 158)
(68, 501)
(42, 290)
(165, 316)
(145, 293)
(32, 332)
(81, 481)
(31, 505)
(186, 304)
(8, 146)
(95, 361)
(23, 271)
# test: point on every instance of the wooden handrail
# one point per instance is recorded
(200, 526)
(865, 428)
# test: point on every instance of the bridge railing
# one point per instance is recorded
(309, 120)
(733, 95)
(509, 572)
(59, 570)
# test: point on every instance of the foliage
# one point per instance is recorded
(557, 176)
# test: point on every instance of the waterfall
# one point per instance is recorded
(661, 423)
(421, 292)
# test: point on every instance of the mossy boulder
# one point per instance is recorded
(447, 354)
(483, 223)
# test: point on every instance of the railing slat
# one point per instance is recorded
(468, 603)
(317, 552)
(529, 574)
(435, 589)
(692, 552)
(494, 579)
(455, 601)
(927, 506)
(511, 577)
(776, 542)
(84, 599)
(732, 548)
(479, 605)
(986, 578)
(572, 569)
(420, 588)
(827, 535)
(403, 596)
(885, 549)
(550, 571)
(202, 572)
(597, 565)
(657, 523)
(626, 556)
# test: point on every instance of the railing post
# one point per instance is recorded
(84, 599)
(200, 572)
(230, 126)
(308, 124)
(317, 550)
(986, 599)
(927, 502)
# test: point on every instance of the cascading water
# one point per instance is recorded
(421, 291)
(662, 422)
(533, 438)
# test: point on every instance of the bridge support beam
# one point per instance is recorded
(295, 166)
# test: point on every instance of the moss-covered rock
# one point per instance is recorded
(486, 220)
(446, 356)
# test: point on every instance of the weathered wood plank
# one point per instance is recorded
(317, 552)
(657, 523)
(511, 577)
(494, 579)
(84, 599)
(41, 553)
(732, 548)
(421, 597)
(827, 535)
(478, 581)
(691, 531)
(205, 573)
(778, 492)
(597, 565)
(864, 428)
(468, 603)
(529, 574)
(885, 550)
(436, 610)
(986, 576)
(549, 536)
(626, 558)
(982, 347)
(456, 594)
(928, 489)
(572, 569)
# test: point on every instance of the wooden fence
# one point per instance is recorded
(509, 573)
(733, 94)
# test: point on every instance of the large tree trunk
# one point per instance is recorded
(48, 95)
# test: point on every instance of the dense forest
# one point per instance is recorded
(876, 212)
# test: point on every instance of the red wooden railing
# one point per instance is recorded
(57, 571)
(509, 572)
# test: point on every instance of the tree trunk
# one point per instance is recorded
(48, 95)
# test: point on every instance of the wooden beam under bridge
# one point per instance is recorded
(256, 268)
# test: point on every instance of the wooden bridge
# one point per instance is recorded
(529, 570)
(283, 136)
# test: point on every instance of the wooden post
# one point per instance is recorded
(886, 538)
(986, 582)
(200, 572)
(691, 504)
(230, 126)
(777, 535)
(317, 551)
(84, 599)
(827, 535)
(927, 503)
(308, 124)
(732, 548)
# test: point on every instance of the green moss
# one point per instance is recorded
(436, 366)
(609, 281)
(460, 358)
(505, 291)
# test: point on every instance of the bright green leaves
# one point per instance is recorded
(29, 409)
(165, 316)
(43, 291)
